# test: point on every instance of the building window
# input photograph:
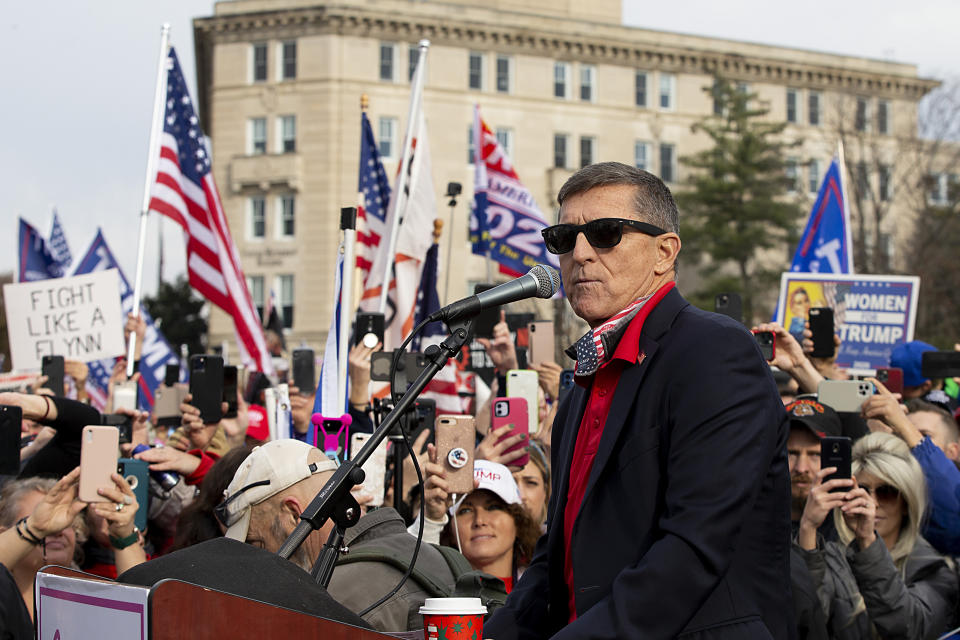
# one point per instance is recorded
(561, 79)
(386, 61)
(560, 141)
(813, 108)
(668, 170)
(863, 181)
(289, 58)
(793, 175)
(717, 92)
(287, 134)
(813, 176)
(883, 117)
(668, 84)
(285, 285)
(388, 138)
(259, 71)
(588, 150)
(886, 192)
(938, 188)
(862, 118)
(287, 219)
(640, 88)
(255, 287)
(476, 70)
(588, 75)
(258, 136)
(793, 105)
(641, 155)
(257, 212)
(505, 140)
(413, 56)
(503, 74)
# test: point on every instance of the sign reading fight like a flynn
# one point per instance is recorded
(155, 353)
(872, 314)
(77, 318)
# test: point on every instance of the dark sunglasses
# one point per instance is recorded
(602, 233)
(883, 493)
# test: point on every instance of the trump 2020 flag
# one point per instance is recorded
(825, 245)
(505, 222)
(36, 260)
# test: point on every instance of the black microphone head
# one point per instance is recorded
(548, 280)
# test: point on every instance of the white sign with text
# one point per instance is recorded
(78, 318)
(69, 608)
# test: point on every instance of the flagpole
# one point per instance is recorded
(152, 157)
(416, 97)
(846, 207)
(348, 222)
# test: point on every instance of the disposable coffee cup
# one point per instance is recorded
(453, 618)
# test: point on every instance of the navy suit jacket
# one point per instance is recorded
(684, 526)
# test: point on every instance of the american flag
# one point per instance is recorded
(185, 192)
(374, 195)
(58, 244)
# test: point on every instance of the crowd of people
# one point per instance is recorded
(870, 556)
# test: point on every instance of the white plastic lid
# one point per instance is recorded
(446, 606)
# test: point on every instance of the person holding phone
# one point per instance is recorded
(668, 510)
(882, 577)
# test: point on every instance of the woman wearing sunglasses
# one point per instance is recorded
(883, 578)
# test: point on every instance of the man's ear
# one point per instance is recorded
(290, 507)
(668, 247)
(952, 451)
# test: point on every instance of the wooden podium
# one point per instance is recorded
(173, 610)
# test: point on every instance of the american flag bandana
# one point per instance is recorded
(597, 345)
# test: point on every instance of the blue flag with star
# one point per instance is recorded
(825, 244)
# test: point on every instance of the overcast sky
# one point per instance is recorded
(80, 77)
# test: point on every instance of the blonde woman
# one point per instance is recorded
(882, 578)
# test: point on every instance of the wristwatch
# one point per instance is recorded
(126, 541)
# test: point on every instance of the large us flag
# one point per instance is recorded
(185, 191)
(374, 197)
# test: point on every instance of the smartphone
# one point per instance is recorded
(123, 423)
(821, 326)
(456, 439)
(844, 395)
(513, 411)
(99, 452)
(333, 435)
(767, 341)
(541, 343)
(206, 386)
(566, 383)
(171, 375)
(426, 417)
(892, 378)
(230, 391)
(52, 367)
(11, 418)
(137, 474)
(166, 405)
(374, 469)
(369, 329)
(523, 383)
(487, 319)
(835, 452)
(730, 305)
(125, 395)
(304, 371)
(380, 363)
(940, 364)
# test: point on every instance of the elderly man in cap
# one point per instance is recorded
(262, 506)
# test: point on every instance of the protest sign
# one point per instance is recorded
(78, 318)
(872, 314)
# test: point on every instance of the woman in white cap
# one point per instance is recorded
(490, 525)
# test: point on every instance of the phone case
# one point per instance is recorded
(10, 419)
(730, 305)
(230, 375)
(206, 386)
(891, 378)
(52, 367)
(137, 474)
(456, 439)
(166, 404)
(821, 326)
(541, 342)
(844, 395)
(940, 364)
(304, 371)
(122, 422)
(522, 383)
(125, 396)
(333, 435)
(374, 469)
(767, 341)
(835, 452)
(99, 451)
(513, 411)
(372, 323)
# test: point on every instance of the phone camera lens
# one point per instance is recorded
(836, 448)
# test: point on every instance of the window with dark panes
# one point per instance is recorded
(640, 88)
(386, 61)
(885, 190)
(413, 56)
(258, 217)
(503, 74)
(813, 108)
(793, 99)
(476, 70)
(587, 150)
(860, 121)
(288, 134)
(287, 216)
(260, 62)
(561, 72)
(667, 160)
(588, 75)
(286, 300)
(255, 287)
(883, 117)
(290, 60)
(560, 150)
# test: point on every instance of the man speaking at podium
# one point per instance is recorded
(669, 513)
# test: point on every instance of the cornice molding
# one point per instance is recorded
(365, 22)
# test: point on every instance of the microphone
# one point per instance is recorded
(540, 282)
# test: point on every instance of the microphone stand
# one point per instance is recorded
(334, 500)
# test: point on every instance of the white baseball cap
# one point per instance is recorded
(494, 477)
(268, 470)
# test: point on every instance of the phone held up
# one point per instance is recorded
(937, 365)
(52, 367)
(206, 386)
(513, 412)
(304, 371)
(835, 452)
(891, 378)
(767, 341)
(456, 436)
(730, 305)
(99, 452)
(821, 326)
(10, 419)
(844, 396)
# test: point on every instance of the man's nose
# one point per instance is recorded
(582, 249)
(803, 463)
